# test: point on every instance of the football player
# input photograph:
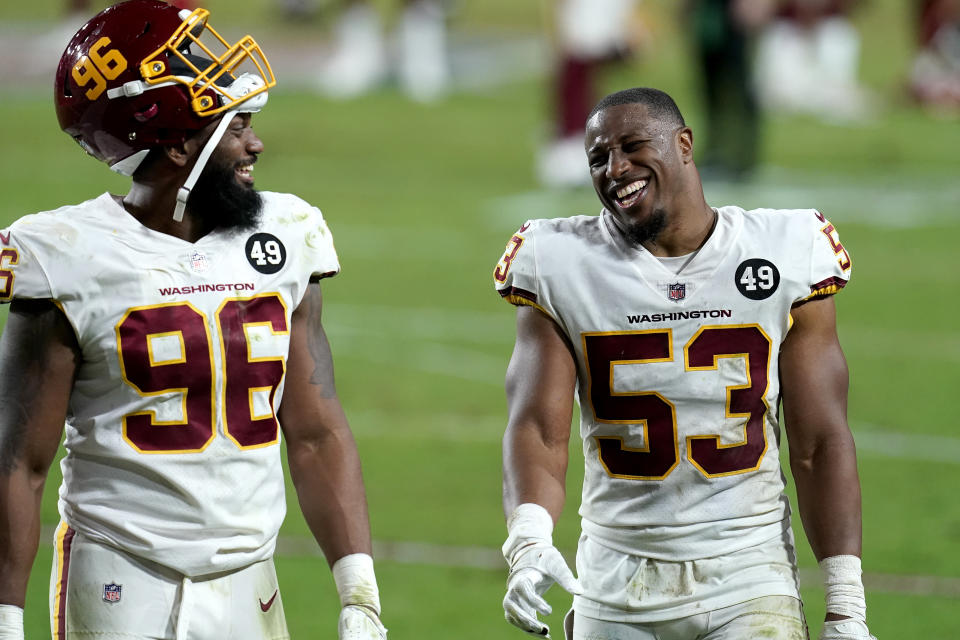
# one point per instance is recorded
(174, 334)
(681, 328)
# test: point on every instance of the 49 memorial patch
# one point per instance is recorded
(757, 279)
(265, 252)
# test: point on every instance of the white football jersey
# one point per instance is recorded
(678, 380)
(172, 437)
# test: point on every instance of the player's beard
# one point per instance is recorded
(222, 202)
(648, 229)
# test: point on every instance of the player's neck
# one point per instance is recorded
(684, 234)
(154, 208)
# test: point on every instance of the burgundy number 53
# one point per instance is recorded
(657, 414)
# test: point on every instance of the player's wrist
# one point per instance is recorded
(11, 622)
(529, 524)
(843, 585)
(356, 581)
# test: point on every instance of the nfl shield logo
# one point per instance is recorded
(111, 592)
(677, 291)
(199, 262)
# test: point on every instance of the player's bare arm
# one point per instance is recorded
(325, 469)
(38, 358)
(321, 451)
(540, 384)
(822, 451)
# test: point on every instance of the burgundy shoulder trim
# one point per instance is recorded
(823, 289)
(831, 281)
(515, 292)
(829, 286)
(318, 277)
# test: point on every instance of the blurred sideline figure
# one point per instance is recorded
(689, 336)
(588, 35)
(723, 31)
(935, 73)
(363, 55)
(807, 61)
(172, 338)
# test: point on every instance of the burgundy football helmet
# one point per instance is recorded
(144, 73)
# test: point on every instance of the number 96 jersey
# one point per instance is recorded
(172, 437)
(677, 371)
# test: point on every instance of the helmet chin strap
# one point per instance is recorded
(242, 86)
(201, 162)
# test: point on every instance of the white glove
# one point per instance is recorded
(359, 597)
(535, 564)
(11, 622)
(358, 622)
(849, 629)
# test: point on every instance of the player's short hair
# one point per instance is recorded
(659, 103)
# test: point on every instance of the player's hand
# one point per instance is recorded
(358, 622)
(534, 570)
(848, 629)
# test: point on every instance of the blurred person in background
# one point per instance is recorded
(723, 31)
(935, 73)
(807, 61)
(172, 338)
(364, 53)
(587, 37)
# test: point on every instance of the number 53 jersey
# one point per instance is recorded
(677, 371)
(172, 437)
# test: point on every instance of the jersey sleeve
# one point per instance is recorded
(319, 239)
(515, 275)
(830, 263)
(24, 252)
(319, 256)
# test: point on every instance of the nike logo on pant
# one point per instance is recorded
(265, 606)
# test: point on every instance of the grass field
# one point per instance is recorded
(421, 199)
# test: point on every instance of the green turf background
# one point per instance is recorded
(421, 199)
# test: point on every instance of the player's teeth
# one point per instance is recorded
(633, 187)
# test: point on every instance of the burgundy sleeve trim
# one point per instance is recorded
(823, 289)
(314, 278)
(829, 286)
(514, 292)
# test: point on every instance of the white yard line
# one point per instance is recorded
(471, 365)
(490, 558)
(907, 446)
(872, 441)
(882, 201)
(427, 323)
(369, 333)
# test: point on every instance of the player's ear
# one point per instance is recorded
(179, 154)
(685, 144)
